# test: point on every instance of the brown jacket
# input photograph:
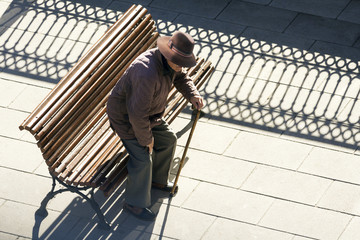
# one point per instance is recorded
(138, 99)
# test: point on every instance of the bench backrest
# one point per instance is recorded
(71, 125)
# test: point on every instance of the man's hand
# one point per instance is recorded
(151, 146)
(197, 102)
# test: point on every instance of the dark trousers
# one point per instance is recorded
(144, 168)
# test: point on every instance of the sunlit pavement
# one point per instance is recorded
(276, 155)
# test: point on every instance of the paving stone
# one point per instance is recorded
(88, 9)
(88, 230)
(313, 104)
(322, 133)
(341, 57)
(286, 184)
(11, 11)
(352, 230)
(203, 8)
(4, 8)
(273, 43)
(343, 85)
(19, 155)
(9, 91)
(206, 30)
(238, 89)
(206, 137)
(228, 60)
(332, 164)
(357, 44)
(186, 187)
(9, 125)
(239, 230)
(228, 203)
(268, 150)
(320, 28)
(342, 197)
(23, 187)
(20, 221)
(115, 9)
(350, 113)
(263, 2)
(27, 137)
(259, 16)
(192, 226)
(351, 12)
(28, 78)
(29, 98)
(328, 8)
(42, 169)
(305, 220)
(301, 238)
(216, 169)
(6, 236)
(71, 202)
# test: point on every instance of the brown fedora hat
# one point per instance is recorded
(178, 49)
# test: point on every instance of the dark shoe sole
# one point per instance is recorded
(145, 215)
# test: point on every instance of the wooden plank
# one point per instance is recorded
(44, 123)
(89, 135)
(84, 150)
(58, 152)
(92, 153)
(97, 161)
(77, 70)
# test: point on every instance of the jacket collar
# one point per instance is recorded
(166, 70)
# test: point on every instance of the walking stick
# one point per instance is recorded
(185, 151)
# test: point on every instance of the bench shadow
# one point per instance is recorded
(79, 221)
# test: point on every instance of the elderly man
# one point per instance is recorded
(135, 108)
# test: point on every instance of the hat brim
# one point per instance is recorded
(162, 44)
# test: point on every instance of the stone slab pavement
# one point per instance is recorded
(276, 155)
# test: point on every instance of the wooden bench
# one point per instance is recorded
(71, 125)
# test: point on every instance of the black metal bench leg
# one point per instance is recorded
(43, 212)
(102, 222)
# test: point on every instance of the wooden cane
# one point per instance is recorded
(185, 151)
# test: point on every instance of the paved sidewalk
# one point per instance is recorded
(276, 157)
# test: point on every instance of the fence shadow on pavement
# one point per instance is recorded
(270, 85)
(258, 83)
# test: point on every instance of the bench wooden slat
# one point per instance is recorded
(108, 167)
(76, 71)
(97, 160)
(83, 149)
(74, 151)
(70, 97)
(117, 175)
(58, 152)
(84, 161)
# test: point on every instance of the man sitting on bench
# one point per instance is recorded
(135, 108)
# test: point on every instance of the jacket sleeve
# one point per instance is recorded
(138, 104)
(185, 86)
